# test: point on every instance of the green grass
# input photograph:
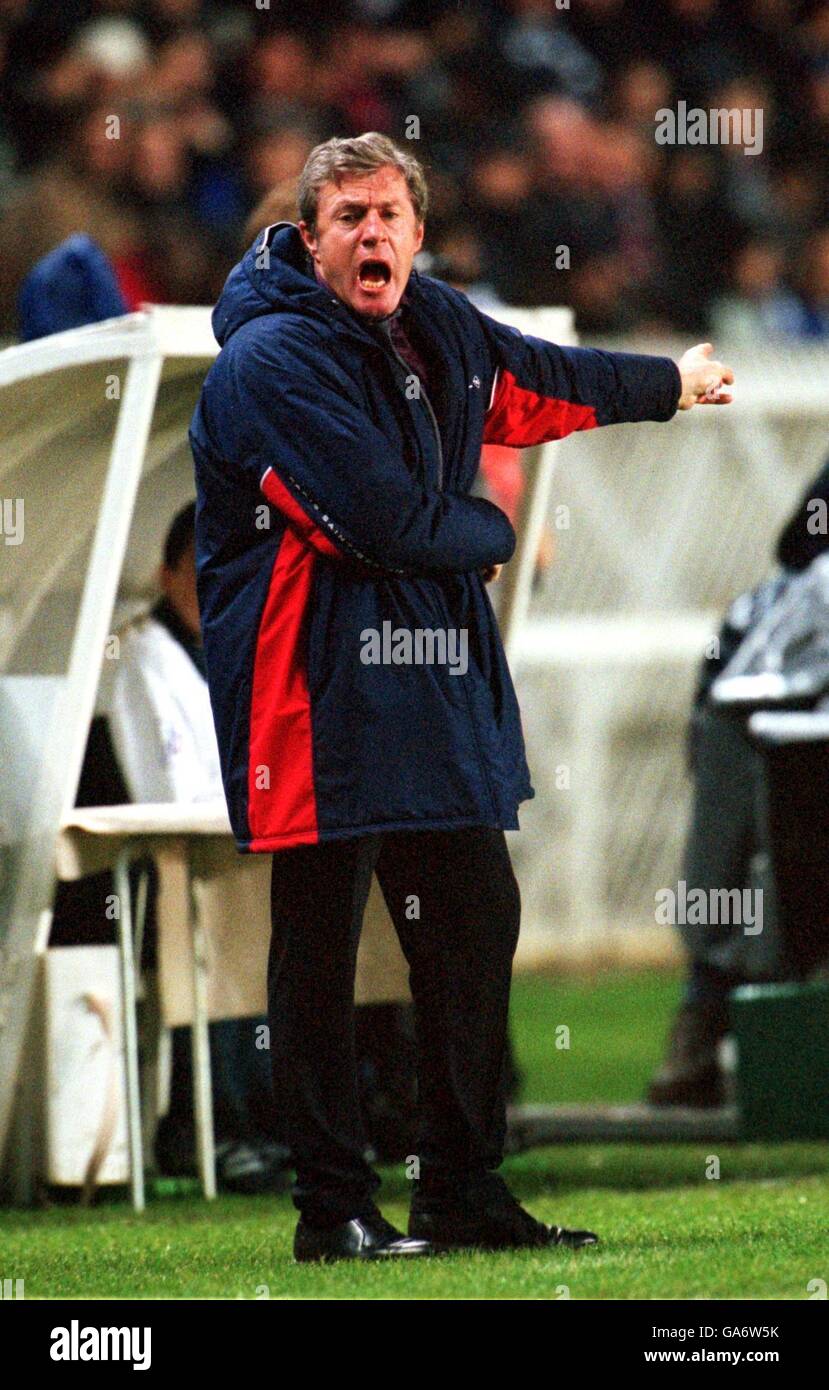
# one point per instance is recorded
(667, 1231)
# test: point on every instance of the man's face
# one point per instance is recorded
(365, 240)
(179, 586)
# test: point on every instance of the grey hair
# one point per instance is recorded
(361, 154)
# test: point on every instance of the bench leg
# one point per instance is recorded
(125, 954)
(202, 1085)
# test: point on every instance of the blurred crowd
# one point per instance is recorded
(158, 126)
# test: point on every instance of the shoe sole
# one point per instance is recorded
(441, 1249)
(369, 1256)
(447, 1248)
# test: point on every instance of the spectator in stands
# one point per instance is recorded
(814, 286)
(692, 222)
(545, 55)
(746, 179)
(758, 306)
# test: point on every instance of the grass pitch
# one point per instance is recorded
(668, 1231)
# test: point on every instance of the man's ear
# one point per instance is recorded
(309, 239)
(420, 233)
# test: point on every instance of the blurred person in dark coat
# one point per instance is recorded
(727, 845)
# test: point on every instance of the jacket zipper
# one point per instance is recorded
(434, 420)
(424, 397)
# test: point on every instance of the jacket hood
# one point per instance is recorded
(267, 283)
(278, 282)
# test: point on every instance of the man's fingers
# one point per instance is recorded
(721, 398)
(718, 376)
(703, 379)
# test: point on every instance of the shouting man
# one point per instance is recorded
(336, 441)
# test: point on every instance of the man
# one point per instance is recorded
(163, 734)
(336, 441)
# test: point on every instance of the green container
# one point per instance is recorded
(782, 1035)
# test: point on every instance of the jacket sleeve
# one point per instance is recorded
(298, 423)
(542, 392)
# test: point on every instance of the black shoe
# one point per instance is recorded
(278, 1164)
(241, 1167)
(364, 1238)
(251, 1168)
(486, 1218)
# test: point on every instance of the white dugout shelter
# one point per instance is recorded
(94, 462)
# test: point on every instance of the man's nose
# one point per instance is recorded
(372, 227)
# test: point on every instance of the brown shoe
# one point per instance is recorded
(691, 1073)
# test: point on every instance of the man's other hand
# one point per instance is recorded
(490, 573)
(703, 377)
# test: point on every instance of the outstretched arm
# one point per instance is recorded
(542, 392)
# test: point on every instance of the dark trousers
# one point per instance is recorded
(725, 850)
(455, 905)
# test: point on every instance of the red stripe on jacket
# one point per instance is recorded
(281, 799)
(519, 418)
(277, 494)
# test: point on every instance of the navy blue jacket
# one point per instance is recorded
(333, 503)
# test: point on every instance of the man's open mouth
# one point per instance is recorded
(374, 275)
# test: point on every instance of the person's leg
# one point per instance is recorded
(318, 894)
(722, 840)
(231, 1041)
(455, 904)
(175, 1136)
